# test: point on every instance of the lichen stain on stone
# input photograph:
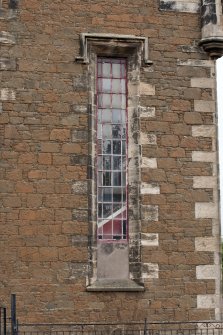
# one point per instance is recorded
(170, 5)
(208, 13)
(108, 248)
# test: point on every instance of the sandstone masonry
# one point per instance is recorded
(49, 253)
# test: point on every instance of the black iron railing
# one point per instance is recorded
(134, 328)
(9, 326)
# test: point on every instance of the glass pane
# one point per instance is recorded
(107, 210)
(107, 147)
(107, 131)
(123, 162)
(107, 178)
(117, 163)
(107, 162)
(123, 194)
(123, 179)
(116, 131)
(117, 116)
(123, 116)
(117, 194)
(105, 85)
(99, 132)
(117, 210)
(106, 69)
(124, 133)
(107, 194)
(117, 147)
(118, 86)
(117, 179)
(116, 101)
(100, 210)
(116, 70)
(117, 229)
(100, 192)
(123, 147)
(99, 179)
(99, 116)
(106, 116)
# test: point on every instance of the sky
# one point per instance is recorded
(220, 127)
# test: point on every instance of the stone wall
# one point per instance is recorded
(45, 115)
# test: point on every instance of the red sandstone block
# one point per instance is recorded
(24, 187)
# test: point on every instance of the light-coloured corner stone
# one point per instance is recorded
(205, 106)
(203, 82)
(150, 163)
(6, 38)
(204, 182)
(7, 94)
(147, 188)
(206, 210)
(195, 62)
(149, 240)
(147, 112)
(80, 187)
(204, 156)
(206, 244)
(147, 89)
(207, 271)
(182, 6)
(203, 131)
(147, 138)
(150, 271)
(206, 301)
(150, 212)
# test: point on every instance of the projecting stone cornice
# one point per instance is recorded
(213, 46)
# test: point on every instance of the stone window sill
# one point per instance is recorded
(115, 285)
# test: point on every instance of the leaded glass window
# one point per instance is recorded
(111, 149)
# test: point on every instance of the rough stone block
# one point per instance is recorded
(203, 82)
(149, 240)
(150, 163)
(203, 131)
(147, 188)
(204, 182)
(150, 212)
(206, 243)
(201, 156)
(206, 210)
(150, 271)
(207, 271)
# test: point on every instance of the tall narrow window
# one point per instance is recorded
(111, 149)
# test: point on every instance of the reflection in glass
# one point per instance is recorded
(107, 210)
(106, 178)
(106, 162)
(116, 131)
(107, 131)
(117, 160)
(116, 147)
(117, 194)
(107, 147)
(116, 116)
(117, 180)
(107, 194)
